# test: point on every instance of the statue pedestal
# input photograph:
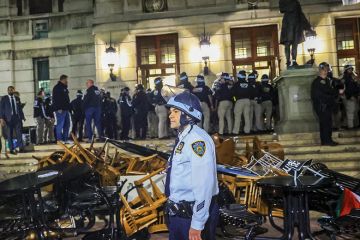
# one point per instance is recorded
(295, 105)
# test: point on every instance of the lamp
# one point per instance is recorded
(111, 59)
(311, 45)
(205, 50)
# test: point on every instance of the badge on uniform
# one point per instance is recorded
(322, 81)
(199, 148)
(179, 147)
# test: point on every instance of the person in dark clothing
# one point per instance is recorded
(255, 103)
(39, 116)
(61, 107)
(92, 109)
(204, 93)
(184, 82)
(77, 115)
(224, 103)
(152, 119)
(323, 96)
(109, 109)
(266, 96)
(352, 93)
(49, 132)
(126, 113)
(11, 117)
(140, 104)
(294, 24)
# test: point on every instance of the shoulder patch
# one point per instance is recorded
(199, 148)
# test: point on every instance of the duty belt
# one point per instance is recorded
(183, 209)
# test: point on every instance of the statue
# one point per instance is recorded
(294, 24)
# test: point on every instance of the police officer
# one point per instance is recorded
(49, 133)
(266, 96)
(77, 115)
(323, 98)
(39, 116)
(126, 113)
(92, 108)
(191, 182)
(140, 104)
(255, 101)
(223, 102)
(109, 110)
(242, 105)
(204, 94)
(184, 82)
(158, 100)
(152, 120)
(352, 92)
(339, 85)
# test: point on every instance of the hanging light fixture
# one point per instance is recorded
(205, 49)
(111, 59)
(310, 44)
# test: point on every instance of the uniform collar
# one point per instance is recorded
(185, 131)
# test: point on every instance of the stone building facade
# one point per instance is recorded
(40, 42)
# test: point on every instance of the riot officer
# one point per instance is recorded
(152, 120)
(266, 96)
(110, 122)
(223, 102)
(242, 105)
(184, 82)
(77, 115)
(352, 93)
(204, 94)
(158, 100)
(126, 113)
(39, 116)
(140, 104)
(339, 110)
(255, 101)
(49, 133)
(191, 182)
(323, 98)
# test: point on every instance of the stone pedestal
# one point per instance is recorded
(295, 106)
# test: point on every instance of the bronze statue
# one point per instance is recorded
(294, 24)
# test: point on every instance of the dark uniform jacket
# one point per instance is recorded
(125, 106)
(223, 93)
(61, 100)
(92, 98)
(254, 91)
(241, 90)
(6, 109)
(140, 103)
(352, 88)
(157, 98)
(77, 108)
(39, 110)
(48, 108)
(203, 92)
(323, 95)
(110, 106)
(266, 92)
(187, 86)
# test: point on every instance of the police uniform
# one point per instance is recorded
(191, 183)
(184, 82)
(140, 104)
(152, 119)
(223, 97)
(351, 101)
(126, 113)
(110, 122)
(39, 115)
(255, 107)
(323, 98)
(158, 100)
(204, 94)
(242, 105)
(77, 116)
(92, 108)
(49, 133)
(266, 95)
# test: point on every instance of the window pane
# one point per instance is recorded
(242, 48)
(170, 70)
(45, 85)
(43, 70)
(167, 48)
(148, 53)
(155, 71)
(40, 6)
(247, 68)
(264, 46)
(261, 64)
(345, 38)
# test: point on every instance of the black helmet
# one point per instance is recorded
(241, 74)
(225, 76)
(79, 93)
(139, 86)
(183, 76)
(264, 78)
(158, 81)
(324, 65)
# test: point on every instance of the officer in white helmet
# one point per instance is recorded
(191, 182)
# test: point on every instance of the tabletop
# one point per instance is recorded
(28, 181)
(288, 182)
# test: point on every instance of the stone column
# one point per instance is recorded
(295, 105)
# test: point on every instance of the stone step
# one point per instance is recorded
(18, 168)
(337, 156)
(315, 149)
(336, 165)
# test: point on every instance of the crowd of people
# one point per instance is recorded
(236, 105)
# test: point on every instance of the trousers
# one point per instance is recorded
(40, 125)
(224, 112)
(205, 124)
(162, 114)
(242, 108)
(93, 113)
(62, 125)
(267, 107)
